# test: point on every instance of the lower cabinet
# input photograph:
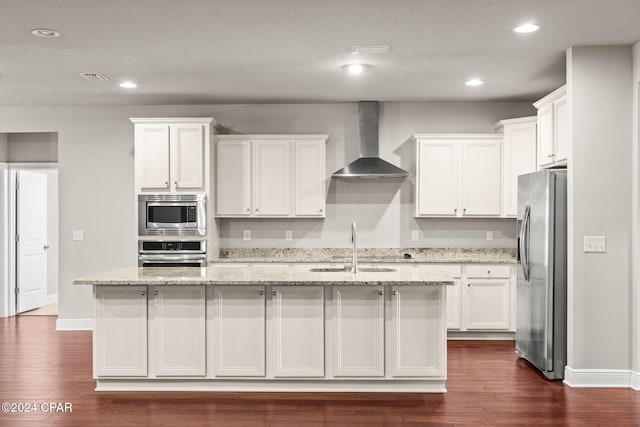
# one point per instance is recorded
(418, 335)
(358, 331)
(239, 331)
(488, 304)
(120, 331)
(298, 331)
(177, 336)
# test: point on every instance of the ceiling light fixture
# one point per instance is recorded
(474, 82)
(526, 28)
(355, 68)
(128, 85)
(46, 33)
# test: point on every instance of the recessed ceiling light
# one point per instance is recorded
(128, 85)
(474, 82)
(355, 68)
(46, 33)
(526, 28)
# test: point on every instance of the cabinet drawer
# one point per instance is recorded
(488, 270)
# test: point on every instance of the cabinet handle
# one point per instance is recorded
(275, 293)
(380, 293)
(395, 293)
(455, 210)
(176, 184)
(488, 271)
(464, 210)
(166, 184)
(248, 210)
(320, 210)
(551, 155)
(260, 292)
(468, 284)
(257, 210)
(143, 293)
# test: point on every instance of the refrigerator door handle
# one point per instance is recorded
(524, 242)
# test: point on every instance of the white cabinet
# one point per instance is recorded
(239, 331)
(458, 175)
(171, 154)
(518, 158)
(553, 129)
(418, 339)
(358, 331)
(298, 331)
(120, 332)
(309, 177)
(270, 176)
(488, 297)
(177, 337)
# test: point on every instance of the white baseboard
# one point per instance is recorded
(478, 335)
(607, 378)
(74, 325)
(53, 298)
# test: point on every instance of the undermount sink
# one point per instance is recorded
(344, 270)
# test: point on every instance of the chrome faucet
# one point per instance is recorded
(354, 256)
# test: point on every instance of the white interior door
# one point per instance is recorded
(31, 240)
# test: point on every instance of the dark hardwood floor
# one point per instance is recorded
(487, 385)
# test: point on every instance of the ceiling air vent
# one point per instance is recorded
(370, 49)
(95, 77)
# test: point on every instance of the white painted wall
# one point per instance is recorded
(4, 238)
(635, 217)
(32, 147)
(95, 157)
(4, 153)
(600, 176)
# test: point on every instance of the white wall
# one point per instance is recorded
(4, 239)
(32, 147)
(600, 176)
(635, 216)
(4, 153)
(53, 253)
(95, 157)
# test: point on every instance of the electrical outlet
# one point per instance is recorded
(247, 235)
(288, 235)
(595, 244)
(489, 235)
(415, 235)
(78, 235)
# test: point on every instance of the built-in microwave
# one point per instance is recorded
(172, 215)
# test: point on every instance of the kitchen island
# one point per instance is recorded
(270, 328)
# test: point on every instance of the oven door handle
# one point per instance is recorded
(171, 258)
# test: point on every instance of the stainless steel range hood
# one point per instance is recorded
(369, 165)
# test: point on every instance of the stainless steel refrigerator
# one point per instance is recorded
(541, 291)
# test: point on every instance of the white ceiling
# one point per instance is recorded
(263, 51)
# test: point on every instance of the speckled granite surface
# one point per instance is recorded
(403, 274)
(450, 255)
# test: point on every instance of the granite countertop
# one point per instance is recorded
(266, 275)
(370, 255)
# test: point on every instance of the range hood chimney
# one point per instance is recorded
(369, 165)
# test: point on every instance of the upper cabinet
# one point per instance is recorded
(458, 175)
(553, 129)
(518, 158)
(171, 154)
(270, 176)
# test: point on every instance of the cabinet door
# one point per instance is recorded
(272, 180)
(437, 181)
(453, 304)
(152, 156)
(120, 333)
(187, 156)
(481, 183)
(418, 335)
(561, 115)
(298, 331)
(177, 315)
(358, 331)
(309, 178)
(238, 318)
(545, 135)
(519, 158)
(488, 304)
(233, 182)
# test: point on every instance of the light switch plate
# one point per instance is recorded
(415, 235)
(288, 235)
(246, 235)
(595, 244)
(489, 235)
(78, 235)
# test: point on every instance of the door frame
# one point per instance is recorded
(7, 288)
